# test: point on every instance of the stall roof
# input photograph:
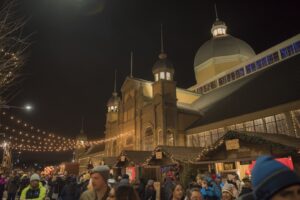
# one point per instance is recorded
(253, 137)
(110, 161)
(135, 157)
(173, 155)
(95, 149)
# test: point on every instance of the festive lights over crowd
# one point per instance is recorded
(25, 137)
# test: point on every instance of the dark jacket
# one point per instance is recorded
(13, 184)
(70, 191)
(245, 190)
(150, 193)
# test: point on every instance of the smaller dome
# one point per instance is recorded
(163, 63)
(114, 100)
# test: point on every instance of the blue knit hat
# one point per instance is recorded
(269, 176)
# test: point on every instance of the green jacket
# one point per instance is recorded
(29, 194)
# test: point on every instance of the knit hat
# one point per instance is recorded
(150, 182)
(103, 170)
(269, 176)
(228, 188)
(34, 177)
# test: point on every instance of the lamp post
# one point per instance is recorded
(7, 155)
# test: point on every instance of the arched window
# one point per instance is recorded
(114, 148)
(149, 139)
(129, 140)
(160, 138)
(170, 138)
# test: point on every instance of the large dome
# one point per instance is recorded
(222, 46)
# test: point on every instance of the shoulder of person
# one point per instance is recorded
(87, 195)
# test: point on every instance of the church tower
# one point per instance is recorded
(164, 94)
(113, 104)
(81, 139)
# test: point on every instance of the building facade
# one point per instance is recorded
(235, 89)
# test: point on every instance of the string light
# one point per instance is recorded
(50, 141)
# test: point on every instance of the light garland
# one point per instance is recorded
(37, 140)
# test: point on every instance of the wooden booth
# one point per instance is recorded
(235, 152)
(170, 161)
(130, 162)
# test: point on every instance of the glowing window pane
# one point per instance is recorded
(162, 75)
(156, 77)
(215, 32)
(168, 75)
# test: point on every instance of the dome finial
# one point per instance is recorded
(162, 54)
(115, 83)
(82, 125)
(161, 39)
(219, 27)
(131, 63)
(216, 12)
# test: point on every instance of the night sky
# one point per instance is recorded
(77, 45)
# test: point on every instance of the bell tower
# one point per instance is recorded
(164, 94)
(113, 104)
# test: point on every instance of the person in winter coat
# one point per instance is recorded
(2, 185)
(207, 191)
(71, 190)
(100, 189)
(247, 187)
(272, 180)
(167, 187)
(150, 193)
(24, 182)
(227, 192)
(35, 190)
(177, 192)
(12, 187)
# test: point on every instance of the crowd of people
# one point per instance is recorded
(270, 180)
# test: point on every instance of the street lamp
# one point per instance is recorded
(26, 107)
(7, 156)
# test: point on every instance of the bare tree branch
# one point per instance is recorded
(13, 46)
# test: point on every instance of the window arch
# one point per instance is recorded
(170, 138)
(149, 139)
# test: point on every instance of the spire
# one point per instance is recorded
(115, 83)
(131, 64)
(162, 54)
(216, 12)
(161, 39)
(82, 125)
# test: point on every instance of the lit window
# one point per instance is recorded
(168, 76)
(215, 32)
(297, 46)
(162, 75)
(239, 127)
(249, 126)
(281, 123)
(270, 124)
(156, 77)
(259, 125)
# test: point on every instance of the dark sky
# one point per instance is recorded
(76, 49)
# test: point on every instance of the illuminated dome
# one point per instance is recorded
(222, 44)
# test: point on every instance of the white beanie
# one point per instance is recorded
(34, 177)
